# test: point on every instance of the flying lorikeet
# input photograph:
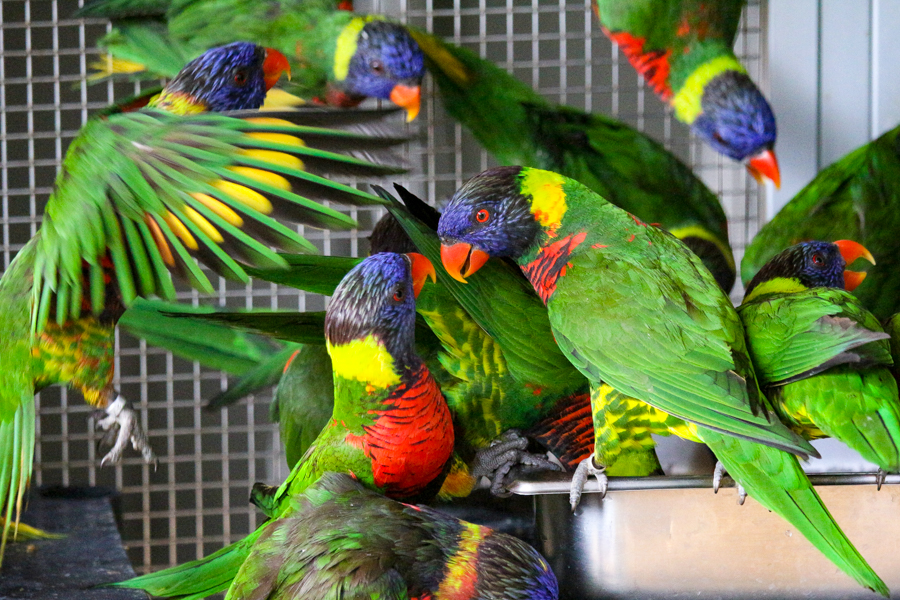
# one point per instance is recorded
(822, 359)
(520, 127)
(635, 310)
(344, 541)
(337, 58)
(390, 426)
(143, 193)
(684, 49)
(856, 198)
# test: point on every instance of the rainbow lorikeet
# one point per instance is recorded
(684, 50)
(520, 127)
(342, 540)
(823, 360)
(892, 328)
(337, 58)
(490, 349)
(143, 193)
(635, 310)
(390, 426)
(856, 198)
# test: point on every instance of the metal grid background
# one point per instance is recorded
(196, 500)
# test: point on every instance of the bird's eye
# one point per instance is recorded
(399, 293)
(240, 76)
(376, 66)
(482, 215)
(818, 260)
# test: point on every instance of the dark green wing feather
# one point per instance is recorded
(792, 336)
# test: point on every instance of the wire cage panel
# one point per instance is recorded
(196, 500)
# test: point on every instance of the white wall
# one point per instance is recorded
(834, 79)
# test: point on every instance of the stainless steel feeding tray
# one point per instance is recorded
(671, 537)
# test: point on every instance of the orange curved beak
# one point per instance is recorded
(420, 269)
(275, 64)
(409, 98)
(461, 260)
(851, 251)
(765, 166)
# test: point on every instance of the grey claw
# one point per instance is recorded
(742, 494)
(717, 476)
(880, 476)
(585, 469)
(502, 456)
(119, 421)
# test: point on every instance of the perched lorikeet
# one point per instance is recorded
(856, 198)
(684, 49)
(494, 357)
(344, 541)
(520, 127)
(337, 57)
(636, 311)
(143, 193)
(823, 360)
(390, 426)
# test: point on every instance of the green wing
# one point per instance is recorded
(665, 334)
(17, 414)
(856, 198)
(147, 192)
(792, 336)
(892, 327)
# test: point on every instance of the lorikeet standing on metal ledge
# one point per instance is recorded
(635, 310)
(145, 193)
(856, 198)
(342, 540)
(390, 426)
(684, 49)
(520, 127)
(337, 58)
(823, 360)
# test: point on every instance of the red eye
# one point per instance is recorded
(240, 76)
(482, 215)
(399, 294)
(818, 259)
(377, 67)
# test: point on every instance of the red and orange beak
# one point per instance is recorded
(765, 166)
(461, 260)
(275, 64)
(420, 269)
(409, 98)
(851, 251)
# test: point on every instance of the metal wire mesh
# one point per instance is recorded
(196, 501)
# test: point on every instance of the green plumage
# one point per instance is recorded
(690, 31)
(825, 362)
(520, 127)
(165, 36)
(856, 198)
(342, 541)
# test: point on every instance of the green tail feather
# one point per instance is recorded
(266, 373)
(16, 463)
(199, 578)
(775, 479)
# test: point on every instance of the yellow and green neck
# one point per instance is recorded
(366, 360)
(177, 103)
(548, 199)
(687, 99)
(776, 285)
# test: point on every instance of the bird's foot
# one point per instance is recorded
(880, 476)
(585, 469)
(506, 458)
(718, 474)
(120, 422)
